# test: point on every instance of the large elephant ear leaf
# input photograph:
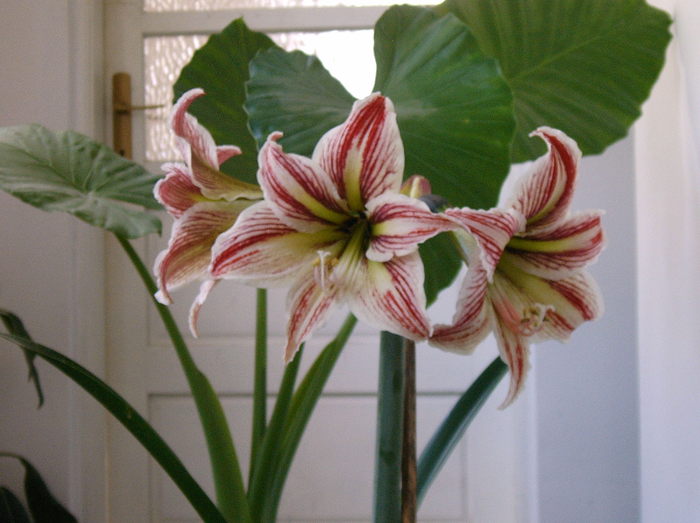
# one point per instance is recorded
(582, 67)
(69, 172)
(454, 109)
(295, 94)
(220, 67)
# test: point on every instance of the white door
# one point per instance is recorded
(331, 478)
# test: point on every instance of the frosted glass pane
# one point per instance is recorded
(348, 55)
(164, 57)
(211, 5)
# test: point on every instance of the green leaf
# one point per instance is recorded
(582, 67)
(11, 508)
(302, 406)
(69, 172)
(295, 94)
(455, 424)
(226, 471)
(43, 506)
(132, 421)
(262, 469)
(220, 67)
(15, 326)
(454, 108)
(441, 262)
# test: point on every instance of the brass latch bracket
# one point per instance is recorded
(121, 113)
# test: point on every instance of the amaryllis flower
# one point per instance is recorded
(336, 228)
(204, 202)
(526, 258)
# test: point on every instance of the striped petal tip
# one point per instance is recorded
(188, 255)
(364, 156)
(543, 194)
(203, 157)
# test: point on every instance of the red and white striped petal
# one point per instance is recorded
(514, 349)
(176, 191)
(569, 301)
(203, 156)
(492, 230)
(188, 254)
(309, 306)
(576, 299)
(390, 296)
(204, 290)
(263, 250)
(399, 224)
(195, 140)
(226, 152)
(364, 155)
(300, 193)
(571, 244)
(472, 319)
(544, 193)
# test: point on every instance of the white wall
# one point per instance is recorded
(49, 260)
(587, 408)
(668, 199)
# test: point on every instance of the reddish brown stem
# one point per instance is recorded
(409, 481)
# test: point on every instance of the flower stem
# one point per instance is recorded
(260, 388)
(408, 455)
(387, 472)
(228, 481)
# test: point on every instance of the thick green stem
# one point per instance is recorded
(453, 426)
(228, 481)
(260, 388)
(387, 471)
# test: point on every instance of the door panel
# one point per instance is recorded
(331, 477)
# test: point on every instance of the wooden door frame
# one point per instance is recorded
(87, 450)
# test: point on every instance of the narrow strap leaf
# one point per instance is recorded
(228, 480)
(11, 508)
(15, 326)
(43, 506)
(302, 406)
(262, 468)
(390, 395)
(132, 421)
(453, 426)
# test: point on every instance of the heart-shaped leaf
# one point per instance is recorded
(582, 67)
(220, 67)
(454, 108)
(67, 171)
(295, 94)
